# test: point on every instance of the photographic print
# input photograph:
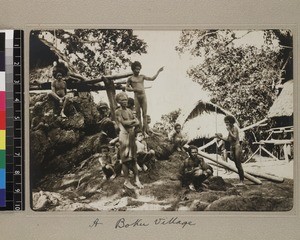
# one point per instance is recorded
(192, 119)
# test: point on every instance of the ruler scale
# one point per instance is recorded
(14, 195)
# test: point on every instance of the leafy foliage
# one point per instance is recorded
(240, 78)
(169, 119)
(91, 51)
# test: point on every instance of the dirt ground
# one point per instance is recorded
(85, 190)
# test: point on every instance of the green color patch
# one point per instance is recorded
(2, 159)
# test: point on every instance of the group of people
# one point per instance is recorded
(130, 128)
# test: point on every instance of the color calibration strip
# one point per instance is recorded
(12, 196)
(2, 123)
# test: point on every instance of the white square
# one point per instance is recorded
(2, 81)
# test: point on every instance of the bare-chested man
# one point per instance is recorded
(135, 83)
(59, 92)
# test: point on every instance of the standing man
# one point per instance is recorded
(236, 149)
(135, 84)
(127, 123)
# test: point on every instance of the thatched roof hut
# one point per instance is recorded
(283, 104)
(203, 120)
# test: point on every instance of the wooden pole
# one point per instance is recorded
(225, 164)
(266, 176)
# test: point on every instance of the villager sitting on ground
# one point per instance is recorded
(106, 125)
(195, 171)
(106, 163)
(145, 157)
(177, 138)
(59, 93)
(127, 123)
(235, 147)
(135, 83)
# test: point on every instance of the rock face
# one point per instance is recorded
(57, 143)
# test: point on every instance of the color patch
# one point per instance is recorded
(2, 101)
(2, 159)
(2, 197)
(2, 139)
(2, 120)
(2, 81)
(2, 179)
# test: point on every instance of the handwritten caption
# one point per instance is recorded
(123, 223)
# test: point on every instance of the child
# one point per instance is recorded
(234, 140)
(127, 122)
(135, 84)
(106, 163)
(144, 156)
(177, 138)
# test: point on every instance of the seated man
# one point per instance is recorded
(177, 138)
(195, 171)
(144, 156)
(59, 92)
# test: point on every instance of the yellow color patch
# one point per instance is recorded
(2, 140)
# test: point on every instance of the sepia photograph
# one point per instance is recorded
(165, 120)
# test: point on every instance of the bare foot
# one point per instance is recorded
(62, 114)
(145, 168)
(113, 176)
(138, 184)
(240, 184)
(192, 187)
(128, 185)
(139, 168)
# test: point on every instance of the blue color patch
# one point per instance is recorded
(2, 179)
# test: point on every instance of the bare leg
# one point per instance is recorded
(137, 109)
(65, 102)
(237, 154)
(136, 177)
(144, 109)
(127, 183)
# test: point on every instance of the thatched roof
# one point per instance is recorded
(283, 104)
(203, 120)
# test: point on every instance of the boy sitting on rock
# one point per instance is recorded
(144, 156)
(177, 138)
(106, 163)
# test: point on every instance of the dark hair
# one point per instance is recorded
(192, 147)
(229, 119)
(135, 64)
(176, 125)
(104, 147)
(130, 103)
(61, 68)
(138, 130)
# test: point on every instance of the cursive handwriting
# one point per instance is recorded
(95, 223)
(173, 221)
(121, 223)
